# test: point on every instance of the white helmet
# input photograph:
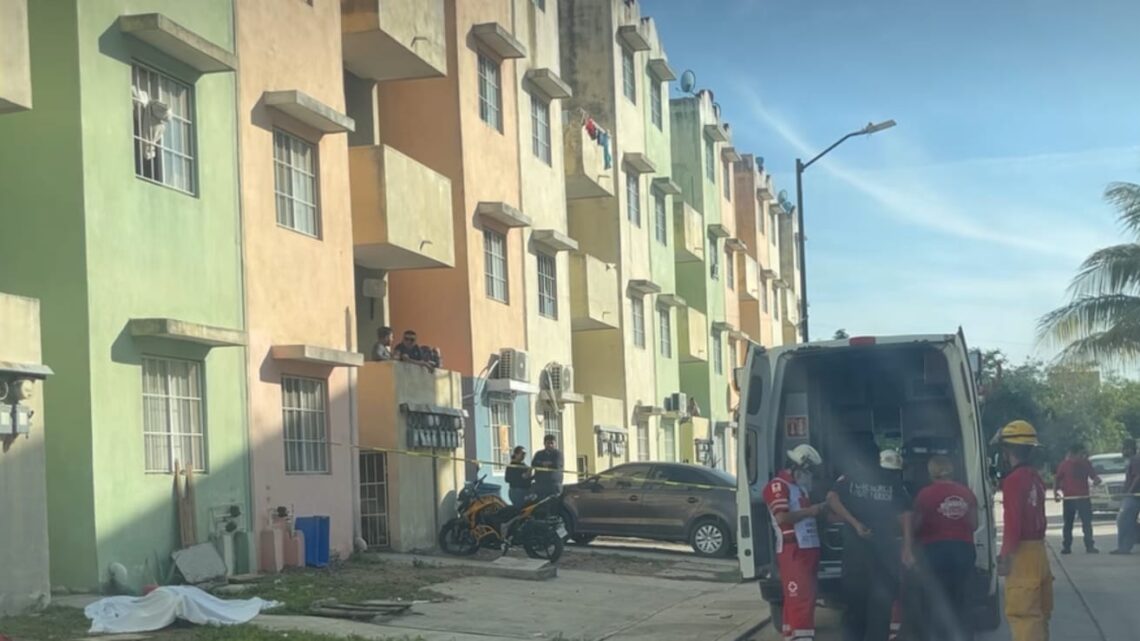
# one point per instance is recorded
(890, 460)
(804, 454)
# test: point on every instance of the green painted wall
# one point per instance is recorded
(661, 259)
(123, 248)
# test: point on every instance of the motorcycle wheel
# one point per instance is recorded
(542, 542)
(456, 538)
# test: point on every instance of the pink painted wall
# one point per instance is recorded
(299, 289)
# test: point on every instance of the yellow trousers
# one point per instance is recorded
(1029, 593)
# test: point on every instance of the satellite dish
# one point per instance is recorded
(760, 162)
(688, 81)
(782, 196)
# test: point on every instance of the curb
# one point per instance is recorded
(746, 631)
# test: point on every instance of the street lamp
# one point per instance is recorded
(800, 167)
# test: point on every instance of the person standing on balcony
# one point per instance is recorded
(409, 352)
(1072, 481)
(382, 350)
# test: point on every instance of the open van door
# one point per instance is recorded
(754, 531)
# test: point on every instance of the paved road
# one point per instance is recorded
(1095, 595)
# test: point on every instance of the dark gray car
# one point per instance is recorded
(662, 501)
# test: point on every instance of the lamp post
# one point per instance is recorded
(800, 167)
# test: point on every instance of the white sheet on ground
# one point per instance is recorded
(122, 614)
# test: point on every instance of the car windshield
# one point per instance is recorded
(1114, 465)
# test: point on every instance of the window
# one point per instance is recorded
(495, 264)
(633, 195)
(306, 428)
(727, 181)
(655, 89)
(163, 115)
(540, 128)
(502, 432)
(777, 299)
(295, 183)
(730, 269)
(764, 296)
(710, 159)
(547, 286)
(772, 231)
(637, 316)
(643, 440)
(679, 475)
(718, 353)
(628, 79)
(490, 96)
(583, 467)
(173, 423)
(661, 216)
(552, 424)
(665, 331)
(667, 443)
(733, 357)
(628, 476)
(714, 257)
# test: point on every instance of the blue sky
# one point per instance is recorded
(975, 210)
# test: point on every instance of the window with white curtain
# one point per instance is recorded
(495, 264)
(295, 183)
(633, 197)
(306, 425)
(163, 116)
(490, 92)
(540, 128)
(547, 286)
(655, 114)
(665, 331)
(661, 219)
(643, 440)
(718, 352)
(173, 415)
(637, 319)
(667, 443)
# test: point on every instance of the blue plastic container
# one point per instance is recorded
(316, 531)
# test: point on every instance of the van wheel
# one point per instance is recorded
(710, 538)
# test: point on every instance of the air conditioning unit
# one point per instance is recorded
(677, 402)
(561, 378)
(513, 364)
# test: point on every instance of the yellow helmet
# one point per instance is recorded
(1017, 433)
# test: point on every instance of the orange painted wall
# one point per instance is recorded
(299, 289)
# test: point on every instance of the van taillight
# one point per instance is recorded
(861, 340)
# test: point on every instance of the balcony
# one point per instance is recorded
(693, 335)
(587, 173)
(401, 211)
(595, 302)
(689, 230)
(751, 271)
(391, 392)
(15, 64)
(394, 39)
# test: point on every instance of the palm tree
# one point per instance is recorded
(1101, 322)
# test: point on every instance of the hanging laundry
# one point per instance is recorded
(604, 141)
(592, 128)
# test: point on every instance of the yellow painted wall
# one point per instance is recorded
(298, 288)
(600, 410)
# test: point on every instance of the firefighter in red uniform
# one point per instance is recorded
(1023, 562)
(797, 539)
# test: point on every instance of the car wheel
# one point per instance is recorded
(710, 537)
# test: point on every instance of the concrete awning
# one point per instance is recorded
(502, 214)
(638, 163)
(186, 331)
(309, 110)
(498, 40)
(571, 398)
(661, 70)
(718, 230)
(649, 410)
(632, 38)
(554, 240)
(316, 355)
(738, 335)
(178, 42)
(730, 154)
(548, 83)
(722, 326)
(769, 273)
(509, 386)
(716, 133)
(665, 185)
(35, 371)
(778, 207)
(644, 287)
(735, 244)
(672, 300)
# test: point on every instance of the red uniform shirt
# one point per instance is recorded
(1073, 476)
(776, 494)
(1023, 508)
(944, 509)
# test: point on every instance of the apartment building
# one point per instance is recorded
(131, 198)
(604, 57)
(298, 260)
(755, 196)
(790, 274)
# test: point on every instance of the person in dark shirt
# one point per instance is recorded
(876, 508)
(518, 477)
(1072, 481)
(946, 515)
(1130, 505)
(409, 352)
(548, 466)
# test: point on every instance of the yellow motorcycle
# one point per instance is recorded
(484, 520)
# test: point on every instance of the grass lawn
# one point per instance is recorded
(358, 579)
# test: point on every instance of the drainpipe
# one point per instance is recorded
(249, 494)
